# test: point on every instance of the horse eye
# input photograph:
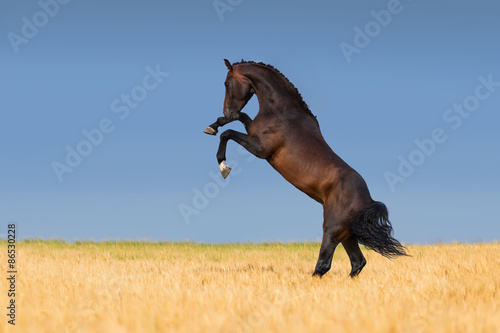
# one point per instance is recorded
(226, 84)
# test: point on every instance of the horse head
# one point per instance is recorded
(239, 90)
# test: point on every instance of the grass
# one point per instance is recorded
(187, 287)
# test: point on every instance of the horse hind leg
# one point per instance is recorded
(356, 257)
(331, 233)
(326, 251)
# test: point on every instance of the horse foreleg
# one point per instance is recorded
(214, 128)
(250, 143)
(221, 121)
(245, 119)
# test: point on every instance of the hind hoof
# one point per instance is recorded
(357, 269)
(209, 130)
(355, 274)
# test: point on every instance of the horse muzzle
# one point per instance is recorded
(231, 115)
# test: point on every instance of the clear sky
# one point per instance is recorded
(128, 87)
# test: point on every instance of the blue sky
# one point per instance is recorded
(83, 65)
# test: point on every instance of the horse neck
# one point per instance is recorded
(268, 86)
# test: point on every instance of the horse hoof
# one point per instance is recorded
(209, 130)
(317, 274)
(224, 169)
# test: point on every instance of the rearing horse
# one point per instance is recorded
(287, 135)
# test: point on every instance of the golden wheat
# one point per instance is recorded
(185, 287)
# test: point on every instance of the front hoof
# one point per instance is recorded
(209, 130)
(224, 169)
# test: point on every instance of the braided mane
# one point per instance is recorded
(288, 85)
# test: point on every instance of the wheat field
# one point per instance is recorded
(186, 287)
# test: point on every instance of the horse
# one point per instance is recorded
(287, 134)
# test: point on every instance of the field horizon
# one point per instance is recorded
(161, 286)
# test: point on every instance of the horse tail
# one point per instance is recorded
(372, 228)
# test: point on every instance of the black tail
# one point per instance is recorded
(372, 228)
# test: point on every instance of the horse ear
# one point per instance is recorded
(228, 64)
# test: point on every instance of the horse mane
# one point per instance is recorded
(289, 87)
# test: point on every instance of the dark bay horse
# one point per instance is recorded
(287, 135)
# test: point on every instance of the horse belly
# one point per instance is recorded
(305, 170)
